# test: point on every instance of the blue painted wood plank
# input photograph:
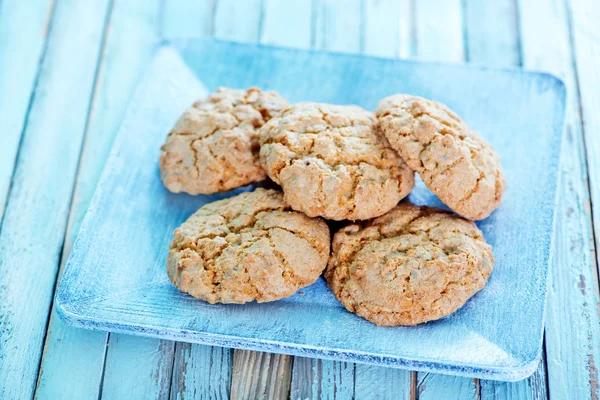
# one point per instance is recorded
(238, 20)
(201, 372)
(572, 320)
(439, 30)
(36, 213)
(586, 37)
(287, 23)
(184, 18)
(338, 25)
(388, 28)
(21, 46)
(382, 383)
(129, 43)
(492, 33)
(145, 373)
(321, 379)
(434, 387)
(258, 375)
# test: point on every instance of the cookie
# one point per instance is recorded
(214, 146)
(333, 161)
(454, 162)
(248, 247)
(411, 265)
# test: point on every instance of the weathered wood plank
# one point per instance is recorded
(184, 18)
(21, 47)
(492, 33)
(132, 33)
(381, 383)
(258, 375)
(337, 24)
(201, 372)
(573, 323)
(435, 386)
(136, 368)
(322, 379)
(36, 213)
(238, 20)
(439, 30)
(287, 23)
(388, 28)
(586, 36)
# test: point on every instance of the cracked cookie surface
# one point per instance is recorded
(248, 247)
(214, 147)
(454, 162)
(333, 161)
(411, 265)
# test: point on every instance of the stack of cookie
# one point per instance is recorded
(396, 264)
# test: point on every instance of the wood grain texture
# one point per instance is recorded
(201, 372)
(36, 213)
(136, 368)
(238, 20)
(388, 28)
(258, 375)
(132, 33)
(287, 23)
(586, 37)
(381, 383)
(439, 30)
(532, 388)
(322, 379)
(184, 18)
(435, 386)
(492, 32)
(338, 25)
(572, 320)
(21, 48)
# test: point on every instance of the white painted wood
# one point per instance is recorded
(572, 319)
(36, 214)
(287, 23)
(338, 25)
(439, 30)
(238, 20)
(388, 28)
(132, 34)
(492, 32)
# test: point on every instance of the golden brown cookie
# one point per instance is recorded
(333, 161)
(411, 265)
(214, 147)
(248, 247)
(454, 162)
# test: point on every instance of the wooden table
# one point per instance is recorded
(67, 71)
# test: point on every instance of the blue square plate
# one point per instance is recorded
(116, 280)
